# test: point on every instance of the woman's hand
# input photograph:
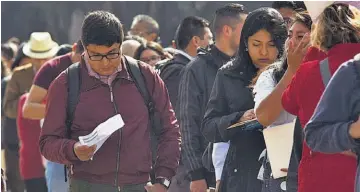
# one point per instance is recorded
(248, 115)
(296, 53)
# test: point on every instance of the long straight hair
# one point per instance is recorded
(263, 18)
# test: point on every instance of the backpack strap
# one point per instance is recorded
(325, 71)
(135, 72)
(73, 76)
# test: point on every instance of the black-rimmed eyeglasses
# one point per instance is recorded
(99, 57)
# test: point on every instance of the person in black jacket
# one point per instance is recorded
(195, 87)
(192, 33)
(231, 101)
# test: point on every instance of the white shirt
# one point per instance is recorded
(219, 153)
(263, 87)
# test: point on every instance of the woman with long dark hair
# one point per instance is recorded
(231, 101)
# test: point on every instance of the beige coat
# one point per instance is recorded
(20, 83)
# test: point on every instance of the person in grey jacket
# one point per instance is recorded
(335, 125)
(231, 100)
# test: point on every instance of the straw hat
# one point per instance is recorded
(40, 46)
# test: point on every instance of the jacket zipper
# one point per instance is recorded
(120, 137)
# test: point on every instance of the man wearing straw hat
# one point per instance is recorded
(39, 48)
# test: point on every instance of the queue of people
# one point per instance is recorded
(117, 112)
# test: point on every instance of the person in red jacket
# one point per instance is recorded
(335, 33)
(31, 167)
(108, 90)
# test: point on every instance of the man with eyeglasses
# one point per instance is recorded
(108, 91)
(146, 27)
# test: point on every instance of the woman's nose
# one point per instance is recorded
(263, 51)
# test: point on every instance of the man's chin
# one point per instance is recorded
(106, 73)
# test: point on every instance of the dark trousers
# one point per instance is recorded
(84, 186)
(36, 185)
(14, 181)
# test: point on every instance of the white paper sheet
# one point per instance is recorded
(102, 132)
(41, 123)
(279, 142)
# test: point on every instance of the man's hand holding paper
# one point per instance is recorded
(97, 138)
(83, 152)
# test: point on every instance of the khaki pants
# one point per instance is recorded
(84, 186)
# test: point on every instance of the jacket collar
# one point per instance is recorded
(184, 54)
(181, 59)
(216, 53)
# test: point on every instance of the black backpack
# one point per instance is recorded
(132, 65)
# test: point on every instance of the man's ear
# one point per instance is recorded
(227, 30)
(195, 40)
(74, 46)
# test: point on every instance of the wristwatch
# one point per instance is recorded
(163, 181)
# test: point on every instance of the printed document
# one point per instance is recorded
(102, 132)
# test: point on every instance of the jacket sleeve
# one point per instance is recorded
(53, 143)
(189, 114)
(217, 116)
(328, 129)
(12, 96)
(169, 141)
(290, 95)
(171, 77)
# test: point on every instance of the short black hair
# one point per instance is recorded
(7, 51)
(189, 27)
(19, 56)
(64, 49)
(284, 4)
(300, 6)
(79, 47)
(101, 28)
(229, 14)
